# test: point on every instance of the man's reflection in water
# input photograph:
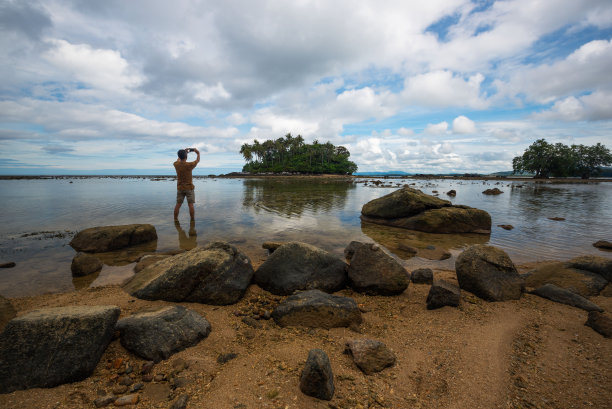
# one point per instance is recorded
(187, 242)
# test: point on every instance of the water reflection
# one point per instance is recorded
(290, 199)
(187, 242)
(128, 255)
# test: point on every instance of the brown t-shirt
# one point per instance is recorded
(184, 180)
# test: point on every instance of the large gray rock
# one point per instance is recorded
(373, 271)
(217, 274)
(109, 238)
(300, 266)
(412, 209)
(594, 264)
(563, 296)
(370, 355)
(159, 334)
(441, 294)
(600, 323)
(488, 273)
(7, 312)
(84, 264)
(317, 378)
(53, 346)
(317, 309)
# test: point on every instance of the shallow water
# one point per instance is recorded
(247, 212)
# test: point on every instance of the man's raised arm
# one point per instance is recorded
(198, 158)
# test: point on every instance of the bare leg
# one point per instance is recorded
(191, 211)
(176, 211)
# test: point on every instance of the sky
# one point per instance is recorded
(437, 86)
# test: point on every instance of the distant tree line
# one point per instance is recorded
(291, 154)
(559, 160)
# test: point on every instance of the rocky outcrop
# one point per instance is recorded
(84, 264)
(603, 244)
(317, 309)
(7, 312)
(317, 378)
(300, 266)
(373, 271)
(600, 323)
(159, 334)
(369, 355)
(563, 296)
(217, 274)
(452, 193)
(594, 264)
(422, 276)
(441, 294)
(494, 191)
(109, 238)
(412, 209)
(563, 275)
(53, 346)
(488, 273)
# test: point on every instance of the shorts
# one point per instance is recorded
(181, 194)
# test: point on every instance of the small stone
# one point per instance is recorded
(317, 379)
(443, 293)
(127, 400)
(147, 367)
(557, 219)
(422, 276)
(224, 358)
(159, 378)
(104, 401)
(370, 355)
(120, 389)
(126, 380)
(147, 377)
(180, 402)
(129, 370)
(251, 322)
(181, 382)
(506, 226)
(138, 386)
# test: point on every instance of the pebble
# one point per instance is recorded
(180, 402)
(147, 378)
(137, 387)
(120, 389)
(224, 358)
(159, 378)
(147, 367)
(126, 380)
(127, 400)
(104, 401)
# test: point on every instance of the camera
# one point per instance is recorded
(190, 150)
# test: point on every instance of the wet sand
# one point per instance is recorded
(529, 353)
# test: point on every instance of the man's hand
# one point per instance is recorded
(196, 150)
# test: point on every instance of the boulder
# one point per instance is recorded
(109, 238)
(443, 293)
(149, 260)
(603, 244)
(494, 191)
(452, 193)
(7, 312)
(84, 264)
(405, 202)
(422, 276)
(217, 274)
(300, 266)
(317, 378)
(373, 271)
(317, 309)
(157, 335)
(488, 273)
(600, 323)
(53, 346)
(594, 264)
(582, 282)
(563, 296)
(370, 355)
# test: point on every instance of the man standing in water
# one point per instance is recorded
(184, 181)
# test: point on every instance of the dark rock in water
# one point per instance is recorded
(370, 355)
(563, 296)
(10, 264)
(452, 193)
(317, 378)
(600, 323)
(594, 264)
(317, 309)
(217, 274)
(582, 282)
(84, 264)
(149, 260)
(272, 245)
(7, 312)
(300, 266)
(422, 276)
(557, 219)
(108, 238)
(488, 273)
(494, 191)
(157, 335)
(373, 271)
(603, 244)
(412, 209)
(443, 293)
(53, 346)
(506, 226)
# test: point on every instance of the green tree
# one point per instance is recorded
(590, 159)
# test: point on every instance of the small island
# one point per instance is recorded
(291, 155)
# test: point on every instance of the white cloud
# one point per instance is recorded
(444, 89)
(463, 124)
(436, 129)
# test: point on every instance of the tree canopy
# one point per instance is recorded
(559, 160)
(291, 154)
